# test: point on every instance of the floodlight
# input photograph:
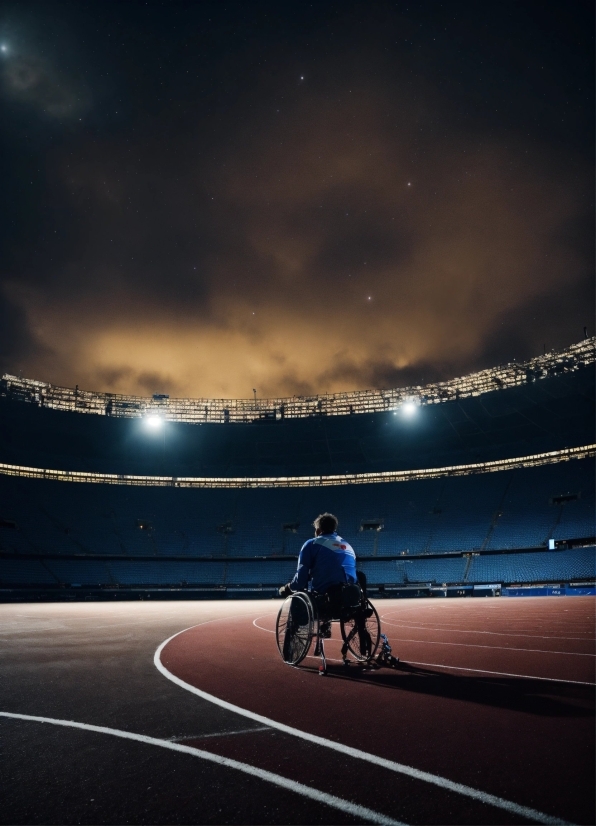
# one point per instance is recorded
(154, 421)
(409, 408)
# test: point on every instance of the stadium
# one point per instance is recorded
(297, 413)
(480, 485)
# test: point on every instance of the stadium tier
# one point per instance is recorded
(458, 527)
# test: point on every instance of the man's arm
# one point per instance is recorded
(302, 575)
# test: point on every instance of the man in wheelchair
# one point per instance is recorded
(327, 587)
(328, 563)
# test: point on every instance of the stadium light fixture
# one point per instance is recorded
(154, 422)
(409, 408)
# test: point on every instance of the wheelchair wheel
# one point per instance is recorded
(361, 632)
(294, 628)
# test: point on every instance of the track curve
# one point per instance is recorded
(490, 733)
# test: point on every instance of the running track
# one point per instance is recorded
(491, 719)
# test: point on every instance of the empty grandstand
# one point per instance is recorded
(485, 485)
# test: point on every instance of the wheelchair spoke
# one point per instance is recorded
(294, 628)
(298, 624)
(361, 632)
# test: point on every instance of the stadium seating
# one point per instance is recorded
(545, 566)
(449, 529)
(502, 511)
(508, 510)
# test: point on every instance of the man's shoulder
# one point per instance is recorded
(307, 545)
(344, 545)
(334, 541)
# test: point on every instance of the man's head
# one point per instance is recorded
(325, 523)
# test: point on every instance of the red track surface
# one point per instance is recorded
(525, 739)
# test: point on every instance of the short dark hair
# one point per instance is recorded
(326, 523)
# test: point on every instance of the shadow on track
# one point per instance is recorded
(539, 697)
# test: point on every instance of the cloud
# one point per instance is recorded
(337, 247)
(35, 81)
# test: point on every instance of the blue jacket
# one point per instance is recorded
(326, 560)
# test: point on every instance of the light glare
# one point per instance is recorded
(409, 408)
(154, 421)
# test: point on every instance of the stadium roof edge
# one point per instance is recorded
(227, 411)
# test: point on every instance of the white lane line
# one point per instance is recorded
(400, 768)
(256, 625)
(499, 673)
(219, 734)
(269, 631)
(345, 806)
(471, 631)
(497, 647)
(308, 656)
(454, 667)
(318, 659)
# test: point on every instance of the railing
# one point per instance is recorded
(534, 460)
(224, 411)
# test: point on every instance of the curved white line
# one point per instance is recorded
(472, 631)
(400, 768)
(500, 673)
(496, 647)
(290, 785)
(407, 624)
(269, 631)
(254, 622)
(436, 665)
(318, 659)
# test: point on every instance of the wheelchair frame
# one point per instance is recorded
(299, 622)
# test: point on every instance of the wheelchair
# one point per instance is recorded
(305, 616)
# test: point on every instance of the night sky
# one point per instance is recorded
(205, 198)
